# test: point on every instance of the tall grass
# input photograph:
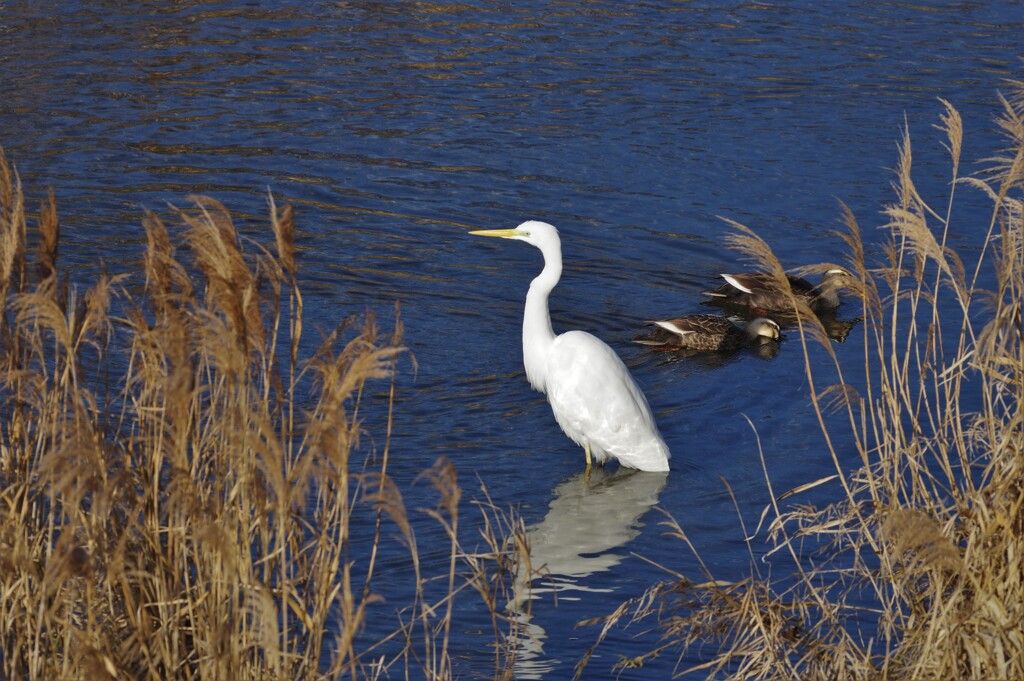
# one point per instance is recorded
(917, 570)
(178, 485)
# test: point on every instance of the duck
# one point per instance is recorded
(708, 333)
(758, 290)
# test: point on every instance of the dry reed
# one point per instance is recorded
(178, 486)
(917, 571)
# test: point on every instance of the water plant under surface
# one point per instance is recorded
(917, 570)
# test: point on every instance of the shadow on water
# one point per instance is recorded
(588, 518)
(712, 360)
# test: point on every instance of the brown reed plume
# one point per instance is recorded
(917, 570)
(190, 516)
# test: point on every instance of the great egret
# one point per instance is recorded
(759, 291)
(595, 400)
(708, 332)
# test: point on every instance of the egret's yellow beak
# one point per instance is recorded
(503, 233)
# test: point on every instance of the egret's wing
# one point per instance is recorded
(596, 400)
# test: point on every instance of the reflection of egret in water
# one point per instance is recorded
(587, 518)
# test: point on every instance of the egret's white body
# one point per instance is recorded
(592, 394)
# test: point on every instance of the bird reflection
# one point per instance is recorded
(837, 329)
(586, 520)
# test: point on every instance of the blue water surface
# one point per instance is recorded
(394, 128)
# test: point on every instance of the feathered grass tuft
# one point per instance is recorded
(178, 493)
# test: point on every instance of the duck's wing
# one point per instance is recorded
(658, 338)
(702, 324)
(801, 286)
(748, 282)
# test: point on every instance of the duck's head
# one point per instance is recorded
(764, 328)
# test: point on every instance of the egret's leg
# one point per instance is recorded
(586, 471)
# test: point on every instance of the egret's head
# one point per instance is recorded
(532, 232)
(762, 327)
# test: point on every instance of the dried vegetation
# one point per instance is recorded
(178, 486)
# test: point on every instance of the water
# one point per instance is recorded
(396, 127)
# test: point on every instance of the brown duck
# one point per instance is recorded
(759, 291)
(708, 333)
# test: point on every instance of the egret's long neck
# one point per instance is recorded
(537, 332)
